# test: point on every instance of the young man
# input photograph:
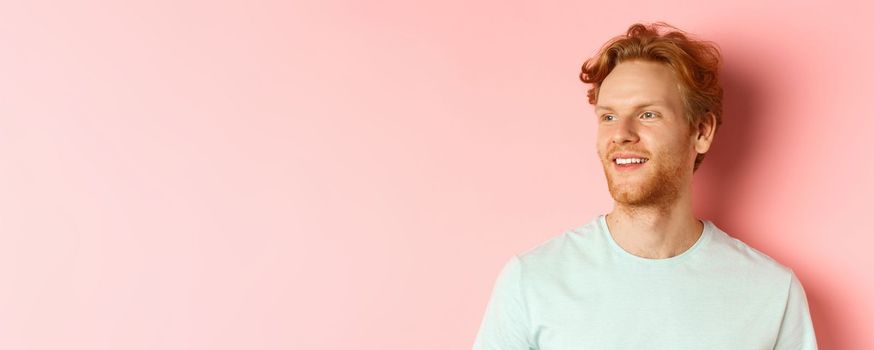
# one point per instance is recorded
(648, 275)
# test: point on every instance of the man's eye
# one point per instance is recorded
(648, 115)
(606, 117)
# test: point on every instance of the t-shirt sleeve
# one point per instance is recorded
(505, 323)
(796, 330)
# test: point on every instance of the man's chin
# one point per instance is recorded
(629, 197)
(641, 195)
(633, 192)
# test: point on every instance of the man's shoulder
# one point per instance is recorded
(732, 252)
(585, 246)
(570, 244)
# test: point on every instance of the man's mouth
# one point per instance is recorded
(628, 164)
(623, 161)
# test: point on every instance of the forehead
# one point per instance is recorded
(633, 83)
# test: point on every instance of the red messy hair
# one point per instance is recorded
(695, 62)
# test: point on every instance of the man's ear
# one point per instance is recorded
(704, 132)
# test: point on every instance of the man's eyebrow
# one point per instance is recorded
(638, 106)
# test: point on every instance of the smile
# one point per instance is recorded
(629, 164)
(630, 160)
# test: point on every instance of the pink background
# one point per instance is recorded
(352, 175)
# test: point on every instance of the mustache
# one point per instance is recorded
(610, 153)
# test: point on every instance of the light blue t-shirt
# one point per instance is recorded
(581, 291)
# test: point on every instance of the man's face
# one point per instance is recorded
(640, 114)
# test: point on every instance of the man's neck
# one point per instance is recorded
(656, 232)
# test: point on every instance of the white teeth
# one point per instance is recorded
(630, 160)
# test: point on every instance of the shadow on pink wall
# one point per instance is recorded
(749, 81)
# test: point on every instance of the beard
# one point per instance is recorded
(658, 186)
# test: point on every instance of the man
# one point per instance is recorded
(648, 275)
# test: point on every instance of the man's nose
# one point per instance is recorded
(626, 131)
